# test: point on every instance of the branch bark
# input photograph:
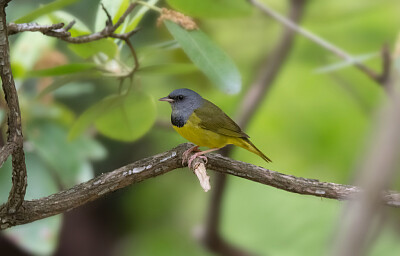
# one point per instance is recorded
(15, 138)
(165, 162)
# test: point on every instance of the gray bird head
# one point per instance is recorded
(183, 103)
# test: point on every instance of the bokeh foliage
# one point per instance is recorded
(311, 125)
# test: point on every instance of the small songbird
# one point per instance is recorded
(206, 125)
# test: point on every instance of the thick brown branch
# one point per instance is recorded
(19, 176)
(162, 163)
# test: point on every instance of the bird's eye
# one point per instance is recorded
(180, 97)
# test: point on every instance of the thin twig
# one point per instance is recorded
(165, 162)
(316, 39)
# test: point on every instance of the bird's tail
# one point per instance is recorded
(247, 144)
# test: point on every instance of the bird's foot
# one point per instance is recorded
(186, 154)
(194, 156)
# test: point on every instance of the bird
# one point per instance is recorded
(205, 124)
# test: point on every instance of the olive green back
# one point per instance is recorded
(214, 119)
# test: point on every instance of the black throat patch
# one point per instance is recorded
(178, 121)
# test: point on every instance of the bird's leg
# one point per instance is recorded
(186, 154)
(200, 155)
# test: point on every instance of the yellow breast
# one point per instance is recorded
(202, 137)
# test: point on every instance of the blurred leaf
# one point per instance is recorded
(18, 69)
(62, 70)
(56, 112)
(207, 56)
(91, 114)
(86, 50)
(128, 120)
(74, 89)
(55, 5)
(211, 8)
(39, 237)
(64, 157)
(78, 29)
(168, 69)
(58, 82)
(344, 64)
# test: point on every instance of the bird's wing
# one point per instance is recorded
(214, 119)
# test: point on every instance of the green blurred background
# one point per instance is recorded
(314, 125)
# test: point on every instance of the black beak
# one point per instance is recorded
(167, 99)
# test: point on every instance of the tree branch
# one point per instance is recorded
(380, 79)
(165, 162)
(59, 31)
(14, 28)
(15, 138)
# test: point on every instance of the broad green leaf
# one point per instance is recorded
(208, 57)
(39, 237)
(130, 119)
(87, 50)
(55, 5)
(91, 114)
(78, 29)
(168, 69)
(211, 8)
(62, 70)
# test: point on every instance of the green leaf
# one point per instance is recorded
(47, 8)
(66, 158)
(128, 120)
(87, 50)
(212, 8)
(208, 57)
(91, 114)
(62, 70)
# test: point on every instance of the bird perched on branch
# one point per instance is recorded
(206, 125)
